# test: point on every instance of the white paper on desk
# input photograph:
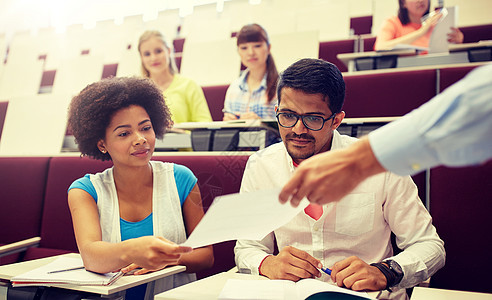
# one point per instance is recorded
(438, 42)
(248, 216)
(280, 289)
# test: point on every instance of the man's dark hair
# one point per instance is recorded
(91, 110)
(315, 76)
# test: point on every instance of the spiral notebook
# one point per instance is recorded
(64, 270)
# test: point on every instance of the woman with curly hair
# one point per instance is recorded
(134, 214)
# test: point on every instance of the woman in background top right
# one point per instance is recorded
(253, 94)
(407, 27)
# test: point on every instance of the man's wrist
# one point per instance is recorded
(261, 264)
(392, 271)
(367, 163)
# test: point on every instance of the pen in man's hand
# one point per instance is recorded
(65, 270)
(326, 270)
(228, 112)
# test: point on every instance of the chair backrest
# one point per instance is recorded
(448, 76)
(361, 25)
(3, 112)
(328, 51)
(474, 34)
(22, 182)
(388, 93)
(460, 208)
(215, 96)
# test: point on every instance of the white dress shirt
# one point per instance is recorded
(453, 129)
(360, 224)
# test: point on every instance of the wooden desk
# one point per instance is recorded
(229, 135)
(402, 58)
(121, 285)
(421, 293)
(385, 59)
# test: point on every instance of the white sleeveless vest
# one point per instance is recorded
(167, 217)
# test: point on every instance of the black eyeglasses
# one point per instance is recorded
(315, 123)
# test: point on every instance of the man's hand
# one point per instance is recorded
(290, 264)
(355, 274)
(329, 176)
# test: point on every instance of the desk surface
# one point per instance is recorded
(124, 283)
(210, 287)
(421, 293)
(409, 57)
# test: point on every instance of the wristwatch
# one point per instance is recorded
(391, 270)
(396, 269)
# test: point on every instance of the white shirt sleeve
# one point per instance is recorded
(452, 129)
(422, 250)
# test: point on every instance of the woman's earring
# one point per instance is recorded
(103, 151)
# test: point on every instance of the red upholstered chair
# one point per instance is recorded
(22, 182)
(178, 45)
(387, 94)
(328, 51)
(3, 113)
(361, 25)
(367, 43)
(461, 203)
(57, 235)
(473, 34)
(215, 96)
(451, 75)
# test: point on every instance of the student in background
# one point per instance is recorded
(184, 97)
(353, 236)
(253, 94)
(407, 27)
(135, 213)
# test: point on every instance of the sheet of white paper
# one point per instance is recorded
(248, 216)
(438, 42)
(256, 289)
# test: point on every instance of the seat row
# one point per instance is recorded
(34, 204)
(34, 199)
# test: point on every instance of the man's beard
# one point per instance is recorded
(297, 154)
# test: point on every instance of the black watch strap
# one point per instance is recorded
(390, 275)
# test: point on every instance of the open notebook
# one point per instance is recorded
(77, 276)
(286, 289)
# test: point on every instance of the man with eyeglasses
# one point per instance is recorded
(351, 237)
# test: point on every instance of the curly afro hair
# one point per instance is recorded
(90, 112)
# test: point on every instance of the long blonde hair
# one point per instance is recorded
(145, 37)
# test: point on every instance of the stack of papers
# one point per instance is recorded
(75, 274)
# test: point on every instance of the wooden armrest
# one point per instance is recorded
(19, 246)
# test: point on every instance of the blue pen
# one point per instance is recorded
(326, 270)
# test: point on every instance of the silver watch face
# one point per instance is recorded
(395, 266)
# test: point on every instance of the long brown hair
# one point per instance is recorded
(256, 33)
(403, 12)
(145, 37)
